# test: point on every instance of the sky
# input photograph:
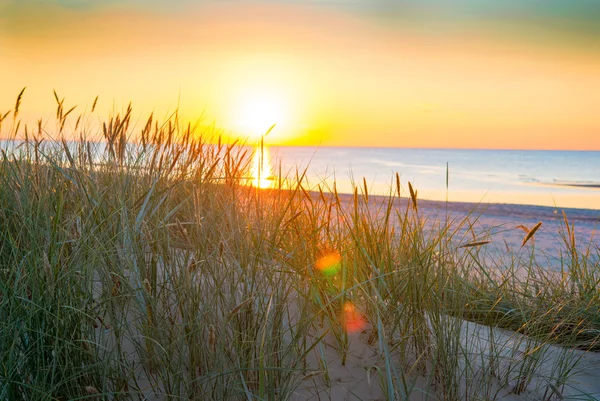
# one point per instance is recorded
(407, 73)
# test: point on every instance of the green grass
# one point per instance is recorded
(156, 270)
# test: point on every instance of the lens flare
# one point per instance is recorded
(352, 319)
(330, 264)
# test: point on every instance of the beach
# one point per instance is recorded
(503, 225)
(166, 273)
(498, 223)
(268, 200)
(357, 374)
(359, 378)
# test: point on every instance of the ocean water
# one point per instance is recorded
(561, 179)
(566, 179)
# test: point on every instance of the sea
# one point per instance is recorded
(559, 179)
(563, 179)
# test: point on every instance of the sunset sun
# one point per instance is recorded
(257, 111)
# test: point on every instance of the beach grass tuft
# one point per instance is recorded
(142, 263)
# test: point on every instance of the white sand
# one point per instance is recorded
(359, 379)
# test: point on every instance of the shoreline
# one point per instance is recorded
(499, 209)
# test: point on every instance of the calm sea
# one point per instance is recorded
(565, 179)
(545, 178)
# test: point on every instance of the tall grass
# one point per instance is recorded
(140, 262)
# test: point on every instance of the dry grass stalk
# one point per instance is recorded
(239, 307)
(531, 233)
(473, 244)
(18, 103)
(413, 196)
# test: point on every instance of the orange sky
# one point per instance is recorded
(324, 75)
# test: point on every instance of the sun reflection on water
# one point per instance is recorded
(262, 172)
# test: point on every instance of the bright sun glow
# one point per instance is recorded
(257, 111)
(262, 172)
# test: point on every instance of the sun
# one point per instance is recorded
(257, 111)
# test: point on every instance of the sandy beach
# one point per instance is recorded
(268, 200)
(203, 288)
(359, 377)
(502, 225)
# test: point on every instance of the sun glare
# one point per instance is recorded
(257, 111)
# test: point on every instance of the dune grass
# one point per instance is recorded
(153, 268)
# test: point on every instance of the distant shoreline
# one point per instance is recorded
(504, 209)
(594, 186)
